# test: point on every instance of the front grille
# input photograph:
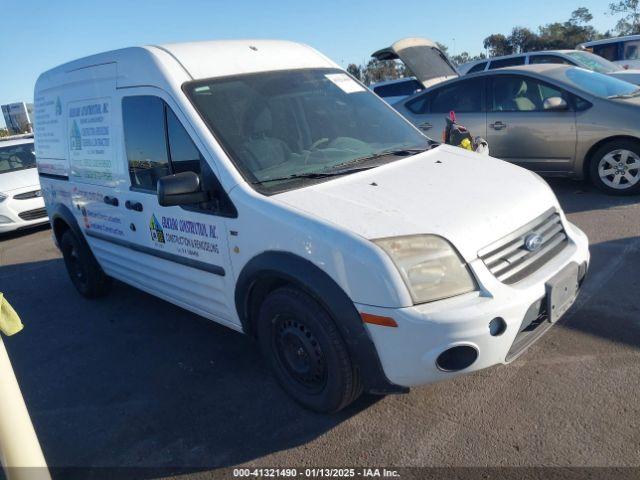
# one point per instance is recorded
(28, 195)
(510, 261)
(33, 214)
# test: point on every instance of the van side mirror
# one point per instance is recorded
(181, 189)
(556, 104)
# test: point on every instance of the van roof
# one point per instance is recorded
(610, 40)
(198, 60)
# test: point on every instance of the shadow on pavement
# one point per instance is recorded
(131, 380)
(578, 196)
(610, 293)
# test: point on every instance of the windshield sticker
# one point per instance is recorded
(344, 82)
(90, 141)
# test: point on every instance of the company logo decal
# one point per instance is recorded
(157, 233)
(533, 242)
(75, 138)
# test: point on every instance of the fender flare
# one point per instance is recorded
(284, 267)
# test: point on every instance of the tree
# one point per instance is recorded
(355, 70)
(629, 24)
(465, 57)
(523, 40)
(377, 71)
(498, 45)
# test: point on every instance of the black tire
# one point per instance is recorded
(305, 350)
(82, 267)
(613, 151)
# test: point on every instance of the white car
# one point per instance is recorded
(21, 202)
(576, 58)
(257, 184)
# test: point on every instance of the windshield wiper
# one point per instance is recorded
(635, 93)
(313, 175)
(395, 152)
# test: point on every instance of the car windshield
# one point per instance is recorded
(286, 129)
(17, 157)
(594, 62)
(600, 85)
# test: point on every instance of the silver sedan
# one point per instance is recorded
(555, 119)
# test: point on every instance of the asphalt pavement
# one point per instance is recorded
(132, 381)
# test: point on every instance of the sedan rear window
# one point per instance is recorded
(506, 62)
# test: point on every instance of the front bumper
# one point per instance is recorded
(16, 214)
(409, 352)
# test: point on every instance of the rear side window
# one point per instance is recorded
(463, 97)
(156, 142)
(535, 59)
(631, 50)
(506, 62)
(610, 51)
(400, 89)
(478, 68)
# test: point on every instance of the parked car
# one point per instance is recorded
(393, 91)
(257, 184)
(624, 51)
(557, 120)
(577, 58)
(21, 202)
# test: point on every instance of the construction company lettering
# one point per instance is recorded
(186, 237)
(90, 141)
(50, 149)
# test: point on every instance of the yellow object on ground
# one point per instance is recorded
(20, 452)
(10, 323)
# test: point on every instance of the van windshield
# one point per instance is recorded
(284, 130)
(17, 157)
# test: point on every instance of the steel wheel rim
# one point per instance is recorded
(620, 169)
(299, 353)
(75, 268)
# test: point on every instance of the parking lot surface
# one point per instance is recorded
(130, 380)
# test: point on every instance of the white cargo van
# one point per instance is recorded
(257, 184)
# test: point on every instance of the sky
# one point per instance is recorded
(36, 35)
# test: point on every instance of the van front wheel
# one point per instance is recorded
(303, 346)
(83, 269)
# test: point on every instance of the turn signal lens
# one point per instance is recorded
(378, 320)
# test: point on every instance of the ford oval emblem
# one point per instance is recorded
(533, 242)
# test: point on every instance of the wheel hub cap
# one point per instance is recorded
(620, 169)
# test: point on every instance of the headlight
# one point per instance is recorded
(3, 197)
(430, 267)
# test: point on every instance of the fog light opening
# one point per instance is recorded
(497, 326)
(457, 358)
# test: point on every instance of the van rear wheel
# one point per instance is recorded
(83, 269)
(306, 352)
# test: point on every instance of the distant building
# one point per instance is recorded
(18, 117)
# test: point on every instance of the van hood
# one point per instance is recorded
(19, 179)
(423, 57)
(470, 199)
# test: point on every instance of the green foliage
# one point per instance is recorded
(553, 36)
(629, 24)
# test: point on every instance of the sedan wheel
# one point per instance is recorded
(620, 169)
(615, 167)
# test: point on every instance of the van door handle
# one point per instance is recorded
(498, 125)
(425, 126)
(137, 206)
(113, 201)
